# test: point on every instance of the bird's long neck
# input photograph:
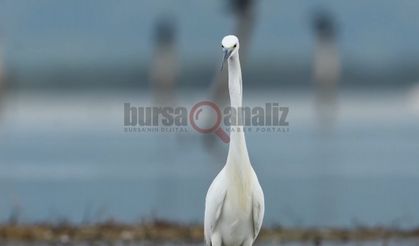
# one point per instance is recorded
(237, 153)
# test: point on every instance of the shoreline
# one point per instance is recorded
(164, 231)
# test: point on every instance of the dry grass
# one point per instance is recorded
(159, 231)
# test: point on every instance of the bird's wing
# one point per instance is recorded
(258, 209)
(214, 206)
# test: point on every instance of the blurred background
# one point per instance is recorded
(347, 70)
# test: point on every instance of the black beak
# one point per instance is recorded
(227, 53)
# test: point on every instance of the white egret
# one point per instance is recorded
(234, 205)
(245, 15)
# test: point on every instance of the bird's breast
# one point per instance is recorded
(239, 197)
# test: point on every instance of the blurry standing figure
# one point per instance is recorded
(2, 81)
(164, 66)
(164, 73)
(326, 68)
(244, 13)
(326, 75)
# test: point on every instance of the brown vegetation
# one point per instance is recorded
(165, 231)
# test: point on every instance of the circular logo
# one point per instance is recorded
(215, 128)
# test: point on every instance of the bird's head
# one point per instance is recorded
(230, 45)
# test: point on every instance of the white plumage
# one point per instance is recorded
(234, 205)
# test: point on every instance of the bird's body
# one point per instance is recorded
(234, 206)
